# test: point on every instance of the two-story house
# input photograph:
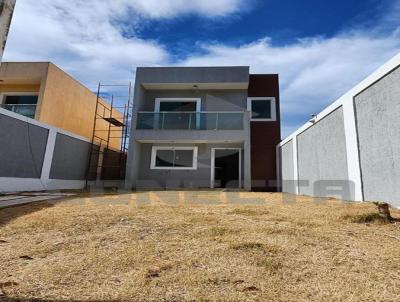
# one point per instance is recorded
(204, 127)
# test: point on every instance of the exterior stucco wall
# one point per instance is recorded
(63, 102)
(368, 117)
(69, 105)
(322, 155)
(35, 156)
(70, 158)
(180, 178)
(211, 100)
(228, 74)
(287, 167)
(22, 148)
(378, 124)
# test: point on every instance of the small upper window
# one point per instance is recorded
(262, 108)
(177, 104)
(20, 99)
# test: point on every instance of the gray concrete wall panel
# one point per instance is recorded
(22, 148)
(322, 157)
(378, 127)
(70, 158)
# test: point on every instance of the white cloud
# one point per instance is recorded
(86, 39)
(80, 37)
(172, 8)
(313, 72)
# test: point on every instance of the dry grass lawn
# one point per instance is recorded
(102, 249)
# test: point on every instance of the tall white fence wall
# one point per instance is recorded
(352, 149)
(35, 156)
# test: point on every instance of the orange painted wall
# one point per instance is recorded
(69, 105)
(63, 102)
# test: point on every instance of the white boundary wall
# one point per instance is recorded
(15, 184)
(347, 102)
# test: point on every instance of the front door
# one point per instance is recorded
(226, 168)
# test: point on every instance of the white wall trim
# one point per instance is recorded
(48, 155)
(353, 160)
(194, 100)
(295, 166)
(273, 108)
(154, 150)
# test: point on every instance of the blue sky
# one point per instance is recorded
(283, 21)
(320, 49)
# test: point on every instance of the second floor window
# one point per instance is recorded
(24, 104)
(177, 105)
(262, 108)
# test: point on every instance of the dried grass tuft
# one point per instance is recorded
(367, 218)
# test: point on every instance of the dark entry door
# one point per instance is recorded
(226, 168)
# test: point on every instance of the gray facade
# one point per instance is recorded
(211, 100)
(287, 167)
(70, 158)
(199, 178)
(322, 157)
(220, 89)
(378, 126)
(22, 150)
(179, 75)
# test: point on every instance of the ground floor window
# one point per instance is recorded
(169, 158)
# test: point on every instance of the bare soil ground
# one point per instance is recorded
(211, 246)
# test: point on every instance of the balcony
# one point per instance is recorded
(27, 110)
(190, 120)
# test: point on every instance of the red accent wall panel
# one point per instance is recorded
(264, 135)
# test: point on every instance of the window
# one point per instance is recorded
(262, 108)
(177, 113)
(21, 103)
(177, 105)
(170, 158)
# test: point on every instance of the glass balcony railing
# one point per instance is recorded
(27, 110)
(190, 120)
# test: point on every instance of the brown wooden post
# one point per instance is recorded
(6, 12)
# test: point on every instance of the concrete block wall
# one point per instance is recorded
(351, 150)
(35, 156)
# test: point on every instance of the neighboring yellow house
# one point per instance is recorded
(43, 91)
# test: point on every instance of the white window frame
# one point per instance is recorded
(158, 101)
(154, 150)
(17, 93)
(273, 108)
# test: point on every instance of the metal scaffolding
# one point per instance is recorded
(106, 162)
